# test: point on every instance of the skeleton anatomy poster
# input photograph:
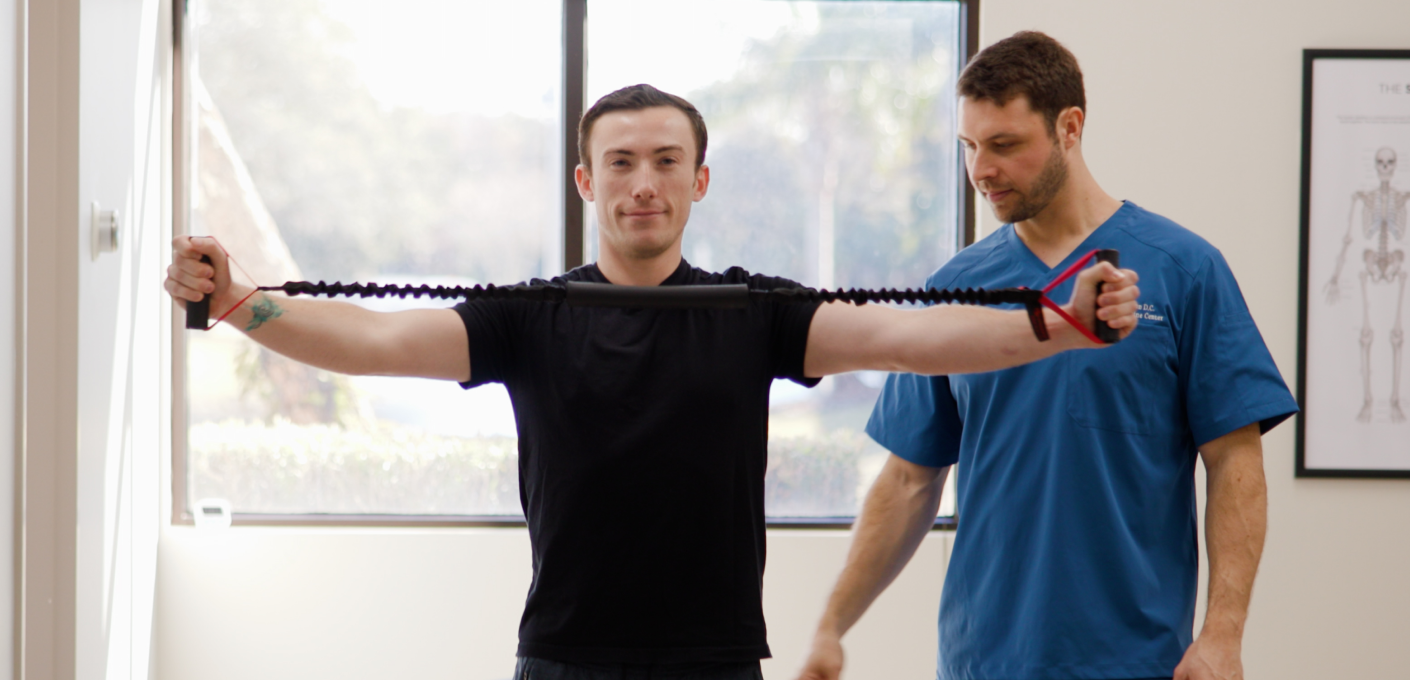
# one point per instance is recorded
(1355, 310)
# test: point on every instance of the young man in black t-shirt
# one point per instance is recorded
(643, 433)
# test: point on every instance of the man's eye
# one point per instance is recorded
(669, 161)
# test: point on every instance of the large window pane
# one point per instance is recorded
(832, 159)
(366, 140)
(358, 140)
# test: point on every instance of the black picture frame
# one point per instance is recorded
(1312, 289)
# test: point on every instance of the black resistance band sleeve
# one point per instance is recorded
(729, 296)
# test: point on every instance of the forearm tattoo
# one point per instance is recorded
(264, 310)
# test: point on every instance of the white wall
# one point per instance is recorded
(289, 604)
(1194, 113)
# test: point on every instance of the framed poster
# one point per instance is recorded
(1355, 310)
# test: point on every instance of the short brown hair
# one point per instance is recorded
(636, 98)
(1031, 64)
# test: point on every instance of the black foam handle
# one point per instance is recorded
(198, 314)
(729, 296)
(1106, 333)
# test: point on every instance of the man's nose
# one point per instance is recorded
(981, 166)
(644, 183)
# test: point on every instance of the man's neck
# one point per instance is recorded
(626, 271)
(1064, 224)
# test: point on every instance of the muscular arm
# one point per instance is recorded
(336, 336)
(1236, 519)
(899, 510)
(947, 339)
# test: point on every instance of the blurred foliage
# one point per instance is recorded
(296, 392)
(283, 467)
(861, 103)
(358, 188)
(814, 476)
(859, 109)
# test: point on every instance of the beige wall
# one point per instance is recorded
(1195, 113)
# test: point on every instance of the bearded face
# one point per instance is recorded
(1033, 199)
(1014, 156)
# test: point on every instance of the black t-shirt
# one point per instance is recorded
(642, 446)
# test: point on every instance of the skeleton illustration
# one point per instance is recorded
(1385, 214)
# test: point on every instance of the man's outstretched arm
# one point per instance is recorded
(336, 336)
(1235, 523)
(899, 510)
(947, 339)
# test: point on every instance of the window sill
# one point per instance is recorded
(481, 521)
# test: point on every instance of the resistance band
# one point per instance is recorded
(581, 294)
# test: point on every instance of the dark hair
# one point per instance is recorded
(636, 98)
(1031, 64)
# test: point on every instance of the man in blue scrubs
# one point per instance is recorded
(1076, 554)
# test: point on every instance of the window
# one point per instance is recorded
(355, 140)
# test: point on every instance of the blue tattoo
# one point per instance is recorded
(264, 310)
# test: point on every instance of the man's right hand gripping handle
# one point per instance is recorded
(197, 276)
(198, 314)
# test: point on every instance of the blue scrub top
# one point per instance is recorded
(1076, 552)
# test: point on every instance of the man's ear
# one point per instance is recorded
(702, 181)
(583, 176)
(1070, 123)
